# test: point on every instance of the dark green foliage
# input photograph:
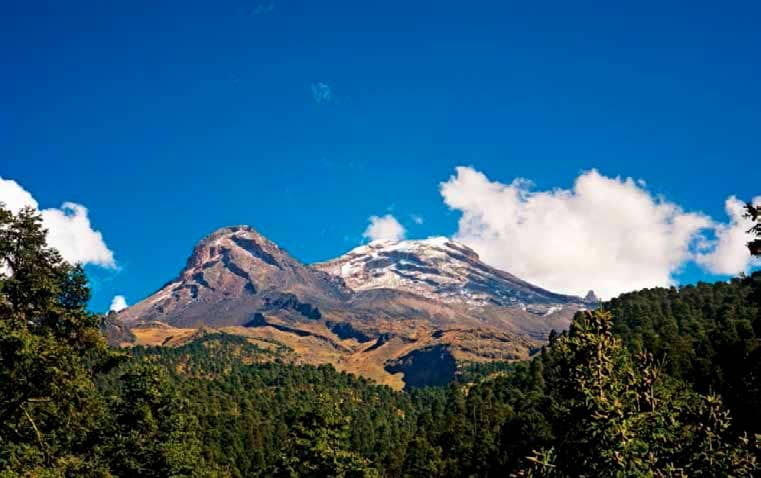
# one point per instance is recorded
(258, 416)
(616, 414)
(708, 335)
(622, 394)
(49, 406)
(54, 421)
(319, 445)
(148, 432)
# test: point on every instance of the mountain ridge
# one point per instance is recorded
(363, 311)
(434, 267)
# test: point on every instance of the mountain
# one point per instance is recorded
(440, 269)
(232, 273)
(385, 310)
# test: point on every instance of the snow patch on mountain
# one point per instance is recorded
(438, 268)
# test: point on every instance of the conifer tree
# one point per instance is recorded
(619, 416)
(49, 343)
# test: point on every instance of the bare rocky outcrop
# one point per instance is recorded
(115, 331)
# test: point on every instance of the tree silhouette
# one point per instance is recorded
(754, 214)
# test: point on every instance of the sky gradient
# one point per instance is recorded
(168, 120)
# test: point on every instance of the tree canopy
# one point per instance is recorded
(54, 419)
(636, 388)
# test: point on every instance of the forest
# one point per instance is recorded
(662, 382)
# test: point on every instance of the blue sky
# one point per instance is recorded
(170, 119)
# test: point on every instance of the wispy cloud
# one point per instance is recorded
(321, 93)
(263, 8)
(417, 219)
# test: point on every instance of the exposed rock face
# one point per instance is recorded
(365, 312)
(232, 273)
(114, 330)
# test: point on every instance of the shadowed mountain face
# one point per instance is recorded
(363, 312)
(233, 273)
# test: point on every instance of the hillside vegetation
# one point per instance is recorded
(637, 388)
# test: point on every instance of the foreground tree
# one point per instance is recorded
(54, 421)
(49, 343)
(754, 214)
(615, 414)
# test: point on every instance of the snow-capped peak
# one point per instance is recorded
(437, 267)
(409, 245)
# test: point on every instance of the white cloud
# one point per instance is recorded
(321, 93)
(384, 228)
(119, 303)
(728, 254)
(606, 234)
(14, 196)
(69, 228)
(417, 219)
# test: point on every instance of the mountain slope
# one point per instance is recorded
(232, 273)
(437, 268)
(373, 311)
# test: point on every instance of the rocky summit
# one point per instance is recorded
(388, 310)
(232, 274)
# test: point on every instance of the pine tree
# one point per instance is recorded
(49, 343)
(319, 446)
(619, 416)
(150, 432)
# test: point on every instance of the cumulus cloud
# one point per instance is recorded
(607, 234)
(69, 228)
(14, 196)
(321, 93)
(119, 303)
(728, 254)
(384, 228)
